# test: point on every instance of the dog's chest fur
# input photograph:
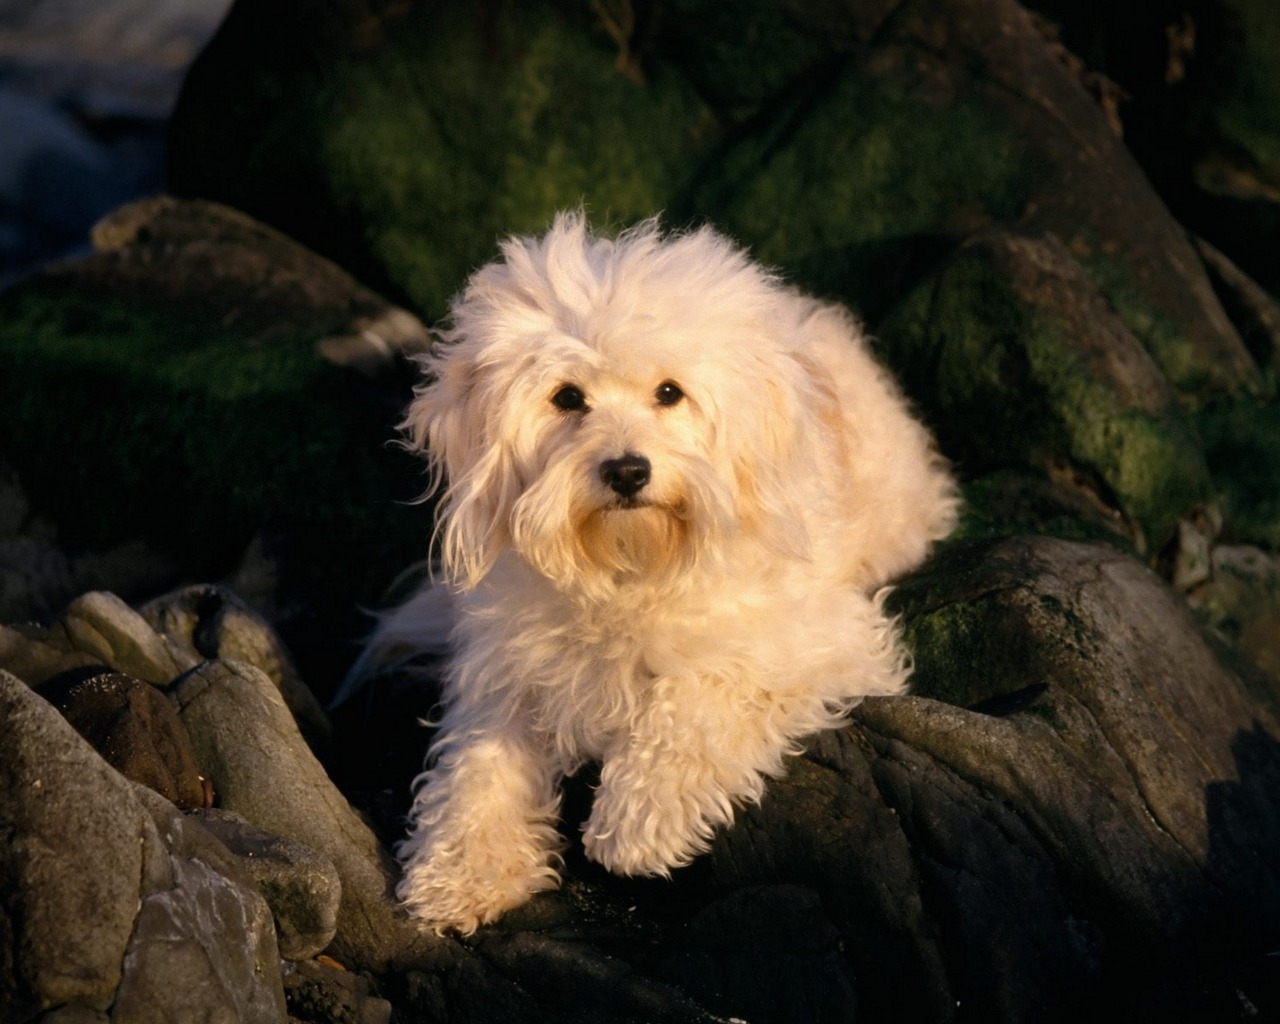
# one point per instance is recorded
(581, 672)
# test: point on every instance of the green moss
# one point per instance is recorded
(452, 140)
(959, 344)
(1250, 115)
(1010, 387)
(129, 422)
(869, 177)
(1172, 349)
(742, 56)
(1242, 443)
(1151, 463)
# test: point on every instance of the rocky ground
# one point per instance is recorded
(1058, 225)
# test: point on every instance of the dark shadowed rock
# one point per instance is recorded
(235, 395)
(1073, 809)
(135, 728)
(316, 991)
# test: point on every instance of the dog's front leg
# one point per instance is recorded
(695, 753)
(482, 836)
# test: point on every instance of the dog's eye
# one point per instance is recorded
(668, 393)
(570, 399)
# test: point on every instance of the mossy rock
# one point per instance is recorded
(1023, 364)
(1199, 100)
(852, 147)
(877, 182)
(406, 143)
(192, 419)
(1242, 439)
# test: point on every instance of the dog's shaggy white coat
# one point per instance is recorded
(676, 489)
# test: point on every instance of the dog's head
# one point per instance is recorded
(617, 409)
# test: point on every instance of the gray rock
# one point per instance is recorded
(69, 864)
(111, 899)
(248, 742)
(301, 886)
(212, 622)
(97, 628)
(203, 945)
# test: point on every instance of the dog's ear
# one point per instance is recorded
(765, 451)
(801, 433)
(450, 422)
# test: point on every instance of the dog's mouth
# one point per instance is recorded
(628, 504)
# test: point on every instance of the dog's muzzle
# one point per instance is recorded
(625, 476)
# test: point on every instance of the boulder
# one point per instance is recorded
(112, 900)
(301, 886)
(247, 741)
(1025, 363)
(1072, 813)
(135, 728)
(244, 388)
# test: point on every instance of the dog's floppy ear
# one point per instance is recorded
(450, 421)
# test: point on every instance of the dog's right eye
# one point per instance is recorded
(570, 399)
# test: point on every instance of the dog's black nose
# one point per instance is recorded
(625, 476)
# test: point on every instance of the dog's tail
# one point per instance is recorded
(414, 632)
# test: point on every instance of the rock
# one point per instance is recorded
(277, 289)
(767, 953)
(530, 96)
(71, 861)
(1252, 309)
(1201, 94)
(1027, 364)
(203, 943)
(135, 728)
(212, 622)
(193, 348)
(320, 993)
(1071, 813)
(888, 134)
(96, 629)
(1241, 600)
(300, 886)
(248, 742)
(1239, 437)
(111, 900)
(74, 1015)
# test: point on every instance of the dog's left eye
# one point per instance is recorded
(668, 393)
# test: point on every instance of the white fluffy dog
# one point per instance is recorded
(675, 490)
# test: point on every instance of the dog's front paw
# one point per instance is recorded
(449, 891)
(638, 832)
